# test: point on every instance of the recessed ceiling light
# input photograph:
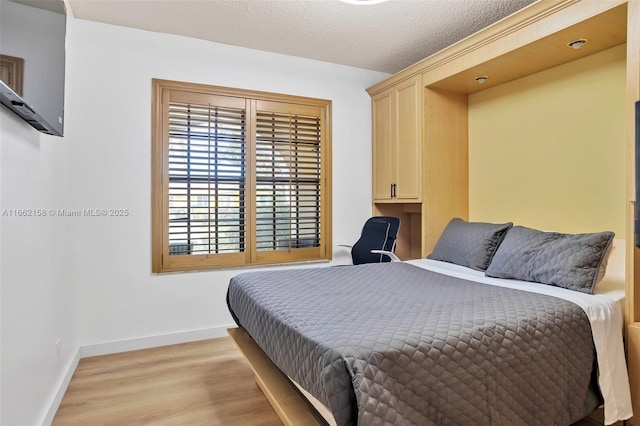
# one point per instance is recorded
(481, 79)
(577, 44)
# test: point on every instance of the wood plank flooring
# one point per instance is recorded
(198, 383)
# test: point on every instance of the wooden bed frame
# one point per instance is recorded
(519, 45)
(291, 406)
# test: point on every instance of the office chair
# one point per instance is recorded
(377, 241)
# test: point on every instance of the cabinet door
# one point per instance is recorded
(382, 146)
(408, 138)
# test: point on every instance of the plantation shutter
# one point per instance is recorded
(238, 178)
(206, 175)
(288, 179)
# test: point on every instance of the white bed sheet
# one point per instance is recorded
(604, 310)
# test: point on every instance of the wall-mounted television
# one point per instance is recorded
(32, 57)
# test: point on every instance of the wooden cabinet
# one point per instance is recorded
(420, 166)
(397, 137)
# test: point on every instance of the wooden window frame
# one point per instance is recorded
(162, 261)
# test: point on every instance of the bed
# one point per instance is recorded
(435, 342)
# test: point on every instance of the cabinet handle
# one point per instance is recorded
(393, 190)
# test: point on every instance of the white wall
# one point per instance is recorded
(108, 128)
(88, 280)
(37, 292)
(38, 323)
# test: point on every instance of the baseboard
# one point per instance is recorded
(113, 347)
(60, 389)
(146, 342)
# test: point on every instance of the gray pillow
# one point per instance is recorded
(572, 261)
(470, 244)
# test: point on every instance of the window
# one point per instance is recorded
(238, 177)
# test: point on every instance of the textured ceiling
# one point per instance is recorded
(383, 37)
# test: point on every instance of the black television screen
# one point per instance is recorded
(32, 57)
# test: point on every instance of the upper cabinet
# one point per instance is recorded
(397, 137)
(420, 167)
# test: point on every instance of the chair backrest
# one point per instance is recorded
(378, 233)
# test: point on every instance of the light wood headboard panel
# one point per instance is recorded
(545, 151)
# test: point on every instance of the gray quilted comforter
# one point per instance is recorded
(393, 343)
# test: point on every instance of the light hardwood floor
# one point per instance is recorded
(198, 383)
